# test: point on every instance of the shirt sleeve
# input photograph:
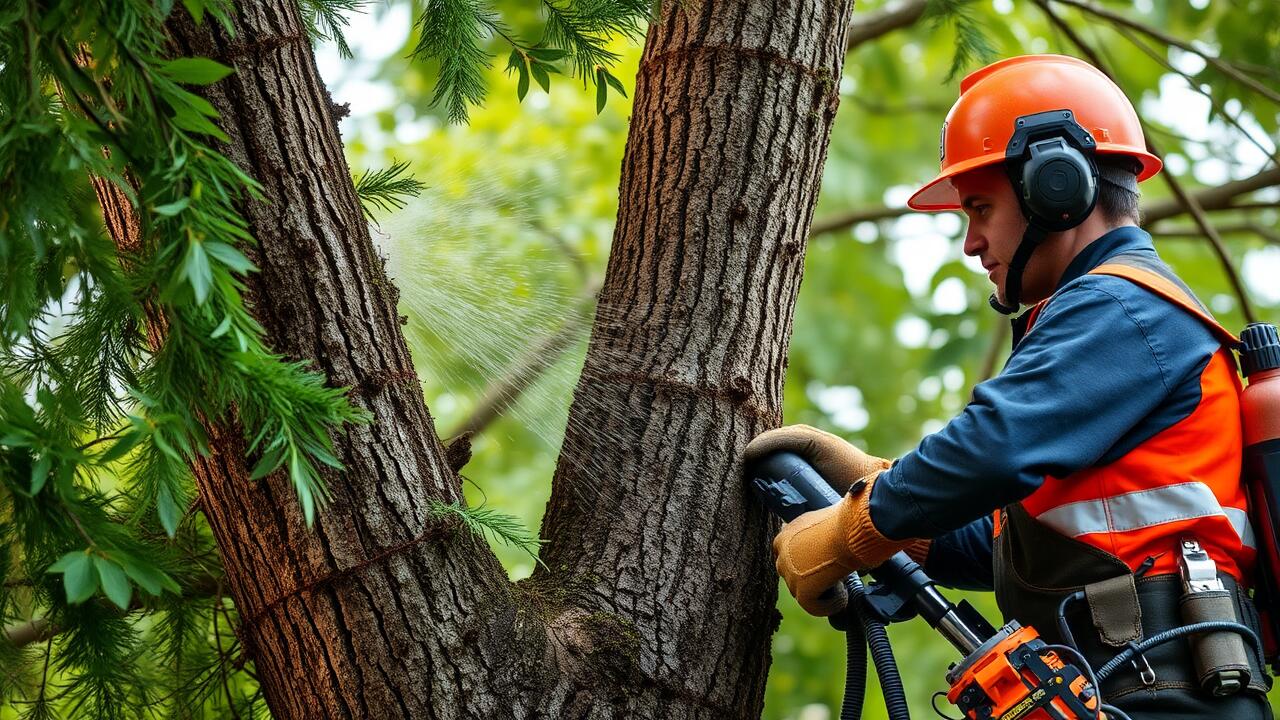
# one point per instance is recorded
(962, 558)
(1083, 376)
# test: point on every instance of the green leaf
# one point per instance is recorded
(40, 473)
(79, 579)
(548, 54)
(168, 510)
(152, 580)
(229, 256)
(522, 86)
(121, 447)
(269, 462)
(114, 582)
(222, 328)
(195, 268)
(189, 119)
(196, 8)
(302, 483)
(614, 82)
(173, 208)
(195, 70)
(602, 91)
(65, 561)
(164, 446)
(541, 76)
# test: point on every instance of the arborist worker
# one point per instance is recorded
(1112, 433)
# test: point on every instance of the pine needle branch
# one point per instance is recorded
(451, 33)
(972, 43)
(484, 521)
(386, 189)
(325, 21)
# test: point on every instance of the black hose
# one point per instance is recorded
(895, 698)
(855, 672)
(1164, 637)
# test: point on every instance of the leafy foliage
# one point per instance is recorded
(453, 33)
(114, 361)
(486, 522)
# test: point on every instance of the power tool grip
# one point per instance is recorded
(789, 486)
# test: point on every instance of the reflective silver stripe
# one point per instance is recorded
(1240, 521)
(1145, 508)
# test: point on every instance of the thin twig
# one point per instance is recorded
(1268, 235)
(872, 25)
(222, 656)
(1213, 101)
(1191, 204)
(1223, 66)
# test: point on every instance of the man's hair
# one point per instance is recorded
(1118, 189)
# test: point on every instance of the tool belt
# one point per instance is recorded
(1035, 567)
(1104, 619)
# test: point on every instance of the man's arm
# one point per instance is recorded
(1093, 366)
(962, 558)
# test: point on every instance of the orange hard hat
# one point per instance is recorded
(980, 124)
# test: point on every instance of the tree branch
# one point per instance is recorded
(1267, 234)
(1219, 197)
(40, 629)
(872, 25)
(1188, 201)
(1214, 102)
(1223, 66)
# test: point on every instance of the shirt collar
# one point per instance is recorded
(1126, 238)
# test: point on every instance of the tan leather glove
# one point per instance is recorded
(818, 549)
(834, 458)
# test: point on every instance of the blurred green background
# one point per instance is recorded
(507, 243)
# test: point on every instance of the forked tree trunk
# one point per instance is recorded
(659, 598)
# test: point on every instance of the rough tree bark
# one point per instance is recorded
(659, 597)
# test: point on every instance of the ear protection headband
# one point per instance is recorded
(1050, 161)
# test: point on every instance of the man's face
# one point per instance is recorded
(996, 224)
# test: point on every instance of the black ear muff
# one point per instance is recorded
(1051, 163)
(1059, 188)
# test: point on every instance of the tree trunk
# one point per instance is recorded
(659, 600)
(649, 520)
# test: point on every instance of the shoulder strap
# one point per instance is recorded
(1155, 276)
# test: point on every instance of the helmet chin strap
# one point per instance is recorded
(1031, 239)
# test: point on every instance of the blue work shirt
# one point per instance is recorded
(1109, 365)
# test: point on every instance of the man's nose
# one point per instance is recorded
(974, 243)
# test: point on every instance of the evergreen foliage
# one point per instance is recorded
(454, 32)
(113, 361)
(386, 189)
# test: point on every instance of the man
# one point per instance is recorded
(1113, 431)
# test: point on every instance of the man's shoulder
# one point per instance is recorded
(1097, 304)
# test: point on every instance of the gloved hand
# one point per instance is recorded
(818, 549)
(835, 459)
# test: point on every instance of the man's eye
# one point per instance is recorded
(982, 210)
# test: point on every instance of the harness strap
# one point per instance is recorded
(1154, 276)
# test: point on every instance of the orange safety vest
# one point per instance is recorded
(1185, 480)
